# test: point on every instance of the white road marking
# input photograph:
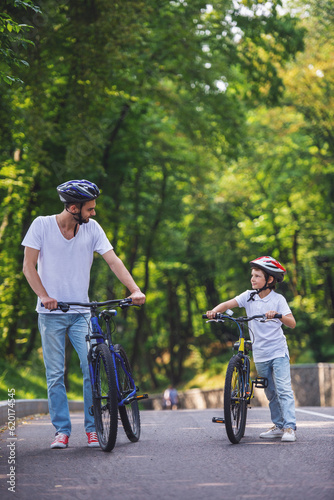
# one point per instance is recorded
(315, 413)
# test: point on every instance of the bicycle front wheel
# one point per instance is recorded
(129, 412)
(235, 405)
(105, 403)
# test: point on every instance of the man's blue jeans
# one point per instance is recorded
(279, 391)
(53, 329)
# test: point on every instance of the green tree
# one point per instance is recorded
(149, 100)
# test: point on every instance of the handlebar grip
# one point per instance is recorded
(278, 316)
(60, 305)
(216, 316)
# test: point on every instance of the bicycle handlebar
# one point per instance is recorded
(242, 319)
(122, 303)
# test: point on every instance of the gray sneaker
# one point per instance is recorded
(289, 435)
(272, 433)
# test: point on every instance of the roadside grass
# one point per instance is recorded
(28, 379)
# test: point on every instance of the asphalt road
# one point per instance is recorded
(181, 455)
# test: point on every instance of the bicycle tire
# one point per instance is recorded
(105, 404)
(235, 406)
(129, 413)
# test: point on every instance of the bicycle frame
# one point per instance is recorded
(247, 383)
(113, 388)
(248, 389)
(99, 336)
(239, 387)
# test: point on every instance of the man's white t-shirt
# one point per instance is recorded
(64, 265)
(268, 339)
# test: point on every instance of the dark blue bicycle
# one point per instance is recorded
(113, 388)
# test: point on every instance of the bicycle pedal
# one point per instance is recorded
(261, 382)
(218, 420)
(141, 396)
(91, 411)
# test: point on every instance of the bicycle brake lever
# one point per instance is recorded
(215, 321)
(124, 306)
(62, 306)
(125, 303)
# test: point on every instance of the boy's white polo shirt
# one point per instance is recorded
(268, 339)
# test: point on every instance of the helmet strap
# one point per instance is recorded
(265, 287)
(77, 217)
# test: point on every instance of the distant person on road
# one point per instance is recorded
(270, 349)
(62, 247)
(171, 399)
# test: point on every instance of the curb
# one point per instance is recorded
(25, 407)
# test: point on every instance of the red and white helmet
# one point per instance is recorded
(270, 266)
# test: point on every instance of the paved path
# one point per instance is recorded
(181, 455)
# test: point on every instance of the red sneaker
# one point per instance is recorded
(60, 441)
(93, 442)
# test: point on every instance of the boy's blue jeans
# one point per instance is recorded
(53, 329)
(279, 391)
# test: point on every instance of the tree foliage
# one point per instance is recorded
(208, 153)
(12, 37)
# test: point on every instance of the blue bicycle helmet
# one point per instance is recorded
(77, 191)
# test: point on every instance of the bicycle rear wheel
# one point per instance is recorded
(129, 412)
(105, 403)
(235, 405)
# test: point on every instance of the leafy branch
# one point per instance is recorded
(12, 34)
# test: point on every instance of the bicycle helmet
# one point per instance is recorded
(77, 191)
(270, 266)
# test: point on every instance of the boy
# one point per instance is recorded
(270, 350)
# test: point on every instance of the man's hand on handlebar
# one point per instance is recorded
(138, 298)
(49, 303)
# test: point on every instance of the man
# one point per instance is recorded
(62, 247)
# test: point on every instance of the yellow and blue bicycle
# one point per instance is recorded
(239, 387)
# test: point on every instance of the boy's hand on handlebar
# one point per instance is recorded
(271, 314)
(49, 302)
(211, 314)
(138, 298)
